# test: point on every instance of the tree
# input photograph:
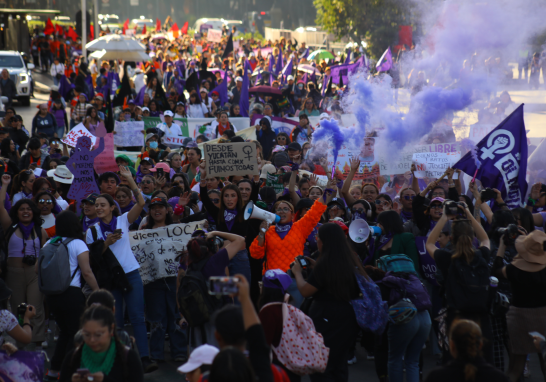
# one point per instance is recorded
(373, 21)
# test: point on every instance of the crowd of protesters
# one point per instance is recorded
(447, 265)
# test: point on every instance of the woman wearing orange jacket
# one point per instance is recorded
(280, 244)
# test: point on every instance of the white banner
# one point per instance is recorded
(156, 249)
(434, 165)
(129, 134)
(78, 131)
(197, 126)
(478, 132)
(214, 35)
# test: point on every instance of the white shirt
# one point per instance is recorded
(121, 248)
(139, 82)
(7, 323)
(18, 196)
(75, 248)
(56, 69)
(174, 132)
(197, 111)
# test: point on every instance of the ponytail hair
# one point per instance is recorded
(462, 235)
(17, 184)
(466, 336)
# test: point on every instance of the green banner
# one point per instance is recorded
(275, 181)
(150, 122)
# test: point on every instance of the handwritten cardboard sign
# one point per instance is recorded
(106, 160)
(478, 131)
(214, 35)
(129, 134)
(78, 131)
(227, 159)
(434, 165)
(156, 249)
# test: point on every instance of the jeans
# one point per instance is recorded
(67, 308)
(405, 344)
(55, 81)
(163, 316)
(135, 306)
(60, 131)
(240, 264)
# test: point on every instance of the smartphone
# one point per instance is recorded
(160, 172)
(543, 189)
(537, 334)
(58, 151)
(117, 231)
(83, 372)
(223, 286)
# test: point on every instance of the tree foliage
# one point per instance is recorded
(373, 21)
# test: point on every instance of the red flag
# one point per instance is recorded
(92, 32)
(174, 29)
(72, 34)
(144, 29)
(184, 29)
(157, 25)
(59, 30)
(49, 28)
(125, 26)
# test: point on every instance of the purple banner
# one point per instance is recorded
(22, 366)
(345, 70)
(428, 265)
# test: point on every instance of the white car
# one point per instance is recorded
(19, 73)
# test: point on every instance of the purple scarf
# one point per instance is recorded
(283, 229)
(406, 216)
(26, 229)
(128, 208)
(229, 217)
(88, 222)
(108, 228)
(384, 240)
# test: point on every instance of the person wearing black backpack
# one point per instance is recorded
(464, 272)
(68, 306)
(203, 259)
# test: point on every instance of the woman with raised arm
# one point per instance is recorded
(112, 233)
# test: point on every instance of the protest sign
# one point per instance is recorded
(278, 124)
(192, 127)
(156, 249)
(370, 167)
(275, 181)
(22, 366)
(434, 165)
(106, 161)
(247, 134)
(81, 165)
(231, 159)
(129, 134)
(478, 131)
(78, 131)
(214, 35)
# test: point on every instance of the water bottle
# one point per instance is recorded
(493, 283)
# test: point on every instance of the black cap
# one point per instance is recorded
(91, 198)
(159, 201)
(237, 139)
(338, 202)
(304, 203)
(294, 146)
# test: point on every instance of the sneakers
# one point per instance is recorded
(352, 361)
(148, 365)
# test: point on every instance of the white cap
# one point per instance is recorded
(204, 90)
(168, 113)
(202, 355)
(145, 109)
(267, 168)
(324, 116)
(290, 78)
(251, 54)
(239, 79)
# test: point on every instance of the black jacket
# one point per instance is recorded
(267, 138)
(19, 137)
(24, 163)
(8, 89)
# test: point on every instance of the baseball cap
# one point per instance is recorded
(338, 202)
(239, 79)
(99, 95)
(294, 146)
(341, 224)
(201, 355)
(145, 109)
(168, 113)
(290, 78)
(277, 279)
(324, 116)
(147, 160)
(267, 168)
(159, 201)
(131, 102)
(91, 198)
(162, 165)
(180, 103)
(150, 136)
(215, 93)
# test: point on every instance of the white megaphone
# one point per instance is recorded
(253, 212)
(359, 231)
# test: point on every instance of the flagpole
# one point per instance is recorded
(96, 19)
(84, 30)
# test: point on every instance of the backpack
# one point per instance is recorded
(194, 301)
(372, 313)
(396, 263)
(301, 349)
(467, 285)
(54, 275)
(407, 285)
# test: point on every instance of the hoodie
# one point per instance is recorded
(267, 137)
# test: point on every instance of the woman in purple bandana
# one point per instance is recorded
(25, 237)
(109, 221)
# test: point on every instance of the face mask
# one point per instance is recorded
(300, 87)
(153, 145)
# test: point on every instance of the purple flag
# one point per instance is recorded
(314, 78)
(91, 93)
(385, 62)
(325, 81)
(280, 63)
(348, 59)
(243, 100)
(287, 70)
(270, 70)
(64, 87)
(503, 156)
(222, 90)
(304, 79)
(179, 85)
(140, 96)
(305, 54)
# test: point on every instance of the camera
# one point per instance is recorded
(223, 286)
(29, 260)
(160, 172)
(452, 208)
(303, 262)
(487, 194)
(510, 233)
(194, 198)
(21, 310)
(215, 243)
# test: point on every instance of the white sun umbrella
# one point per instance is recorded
(120, 55)
(308, 69)
(116, 42)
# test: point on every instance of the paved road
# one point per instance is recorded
(363, 370)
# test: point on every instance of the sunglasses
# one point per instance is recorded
(45, 201)
(146, 182)
(408, 197)
(436, 206)
(379, 202)
(440, 194)
(216, 200)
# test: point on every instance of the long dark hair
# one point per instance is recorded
(111, 202)
(106, 318)
(239, 206)
(270, 295)
(231, 365)
(5, 148)
(462, 235)
(391, 222)
(466, 335)
(38, 183)
(47, 193)
(525, 217)
(68, 225)
(18, 180)
(150, 222)
(36, 217)
(196, 250)
(337, 263)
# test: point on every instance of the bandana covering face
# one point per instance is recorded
(108, 228)
(229, 217)
(283, 229)
(406, 216)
